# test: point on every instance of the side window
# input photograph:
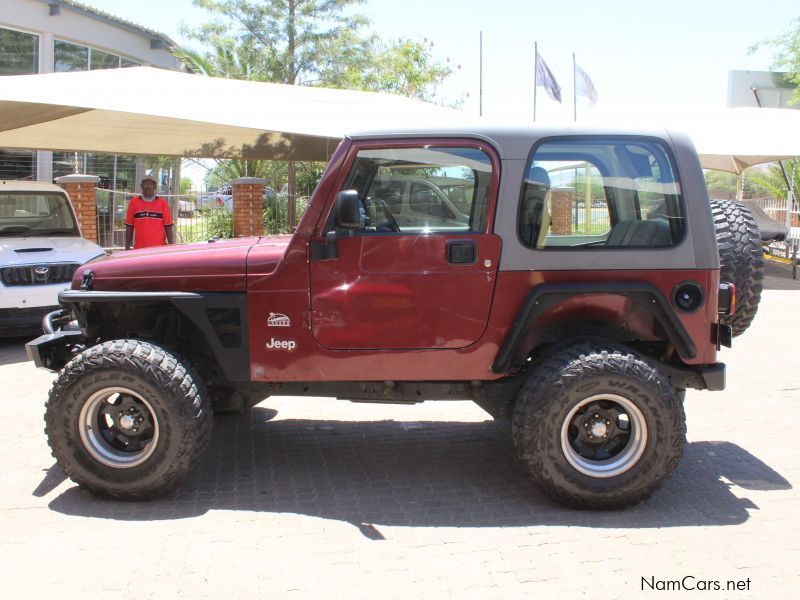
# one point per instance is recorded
(597, 193)
(422, 190)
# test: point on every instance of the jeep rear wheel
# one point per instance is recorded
(741, 257)
(598, 427)
(125, 419)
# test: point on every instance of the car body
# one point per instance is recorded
(223, 198)
(514, 299)
(220, 198)
(413, 200)
(187, 208)
(40, 249)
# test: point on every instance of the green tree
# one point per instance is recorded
(403, 67)
(284, 41)
(772, 183)
(308, 42)
(754, 182)
(275, 172)
(186, 185)
(787, 58)
(721, 181)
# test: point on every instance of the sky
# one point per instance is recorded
(645, 59)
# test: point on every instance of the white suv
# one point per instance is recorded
(40, 248)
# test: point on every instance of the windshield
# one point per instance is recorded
(37, 213)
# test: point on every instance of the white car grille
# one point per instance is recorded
(40, 274)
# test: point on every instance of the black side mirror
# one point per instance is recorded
(349, 212)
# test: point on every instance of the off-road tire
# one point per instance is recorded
(741, 257)
(179, 409)
(573, 376)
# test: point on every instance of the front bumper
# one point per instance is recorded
(55, 348)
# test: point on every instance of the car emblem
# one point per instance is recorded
(41, 271)
(278, 320)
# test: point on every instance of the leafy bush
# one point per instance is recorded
(219, 222)
(276, 213)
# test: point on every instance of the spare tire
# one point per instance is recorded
(741, 257)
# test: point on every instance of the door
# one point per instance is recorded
(401, 284)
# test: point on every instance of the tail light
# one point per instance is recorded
(727, 298)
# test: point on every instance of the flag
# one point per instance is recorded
(545, 78)
(584, 85)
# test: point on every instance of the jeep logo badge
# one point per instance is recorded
(278, 320)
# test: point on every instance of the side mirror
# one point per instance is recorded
(349, 212)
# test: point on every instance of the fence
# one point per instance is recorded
(198, 216)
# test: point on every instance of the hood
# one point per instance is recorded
(215, 266)
(46, 249)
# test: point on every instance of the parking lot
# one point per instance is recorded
(322, 498)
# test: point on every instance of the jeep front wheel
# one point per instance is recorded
(598, 427)
(126, 419)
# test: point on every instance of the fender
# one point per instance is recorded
(221, 318)
(546, 296)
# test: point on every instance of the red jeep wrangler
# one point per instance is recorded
(567, 278)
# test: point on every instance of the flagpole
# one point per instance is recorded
(574, 91)
(535, 70)
(480, 92)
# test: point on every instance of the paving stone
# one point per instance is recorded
(311, 497)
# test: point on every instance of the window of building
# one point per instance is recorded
(17, 165)
(70, 57)
(422, 190)
(73, 57)
(115, 172)
(19, 52)
(102, 60)
(600, 193)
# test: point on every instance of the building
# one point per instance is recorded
(768, 89)
(46, 36)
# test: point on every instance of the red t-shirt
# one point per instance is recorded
(148, 220)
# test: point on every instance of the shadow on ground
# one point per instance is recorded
(414, 474)
(12, 350)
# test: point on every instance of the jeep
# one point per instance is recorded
(578, 298)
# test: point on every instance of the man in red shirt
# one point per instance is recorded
(148, 221)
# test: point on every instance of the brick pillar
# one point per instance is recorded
(561, 202)
(81, 190)
(248, 206)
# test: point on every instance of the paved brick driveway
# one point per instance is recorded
(319, 498)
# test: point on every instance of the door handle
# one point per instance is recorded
(460, 252)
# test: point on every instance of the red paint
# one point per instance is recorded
(514, 286)
(203, 267)
(312, 362)
(399, 292)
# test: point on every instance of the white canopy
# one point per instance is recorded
(736, 138)
(144, 111)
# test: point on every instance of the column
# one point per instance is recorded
(248, 206)
(561, 202)
(82, 192)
